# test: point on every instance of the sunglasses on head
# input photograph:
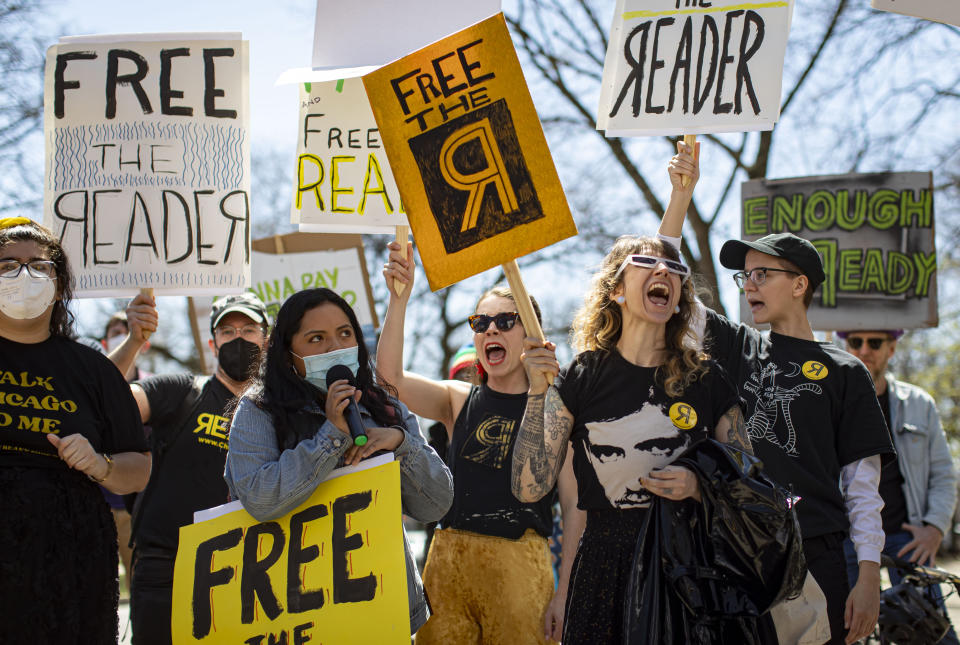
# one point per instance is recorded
(505, 321)
(651, 262)
(874, 343)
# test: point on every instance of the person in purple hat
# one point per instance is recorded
(812, 414)
(919, 489)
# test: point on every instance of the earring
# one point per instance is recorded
(620, 300)
(676, 309)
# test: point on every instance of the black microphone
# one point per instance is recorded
(352, 413)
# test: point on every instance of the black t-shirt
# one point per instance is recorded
(189, 476)
(61, 387)
(894, 512)
(625, 424)
(480, 456)
(811, 409)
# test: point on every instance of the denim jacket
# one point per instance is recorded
(929, 481)
(270, 483)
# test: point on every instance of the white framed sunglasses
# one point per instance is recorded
(651, 261)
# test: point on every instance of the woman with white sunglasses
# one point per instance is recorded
(636, 397)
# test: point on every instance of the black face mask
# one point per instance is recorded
(238, 358)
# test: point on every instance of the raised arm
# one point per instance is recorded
(732, 429)
(686, 163)
(437, 400)
(541, 444)
(142, 321)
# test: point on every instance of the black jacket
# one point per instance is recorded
(704, 572)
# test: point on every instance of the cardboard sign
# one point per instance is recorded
(147, 180)
(284, 264)
(875, 233)
(468, 153)
(331, 571)
(277, 276)
(686, 67)
(347, 34)
(945, 11)
(343, 182)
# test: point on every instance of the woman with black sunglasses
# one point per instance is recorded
(488, 573)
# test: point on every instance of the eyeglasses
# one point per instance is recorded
(757, 276)
(651, 261)
(226, 333)
(36, 268)
(505, 321)
(873, 343)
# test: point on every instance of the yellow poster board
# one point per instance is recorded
(468, 153)
(332, 571)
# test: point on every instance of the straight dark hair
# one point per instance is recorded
(280, 391)
(61, 320)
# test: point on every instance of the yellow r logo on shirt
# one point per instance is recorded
(683, 415)
(814, 370)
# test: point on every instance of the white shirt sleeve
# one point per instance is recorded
(858, 483)
(676, 242)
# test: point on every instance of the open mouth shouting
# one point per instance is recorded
(756, 304)
(495, 353)
(658, 294)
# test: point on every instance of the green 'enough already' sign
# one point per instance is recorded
(876, 236)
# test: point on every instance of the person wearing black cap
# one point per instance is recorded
(188, 442)
(919, 488)
(812, 414)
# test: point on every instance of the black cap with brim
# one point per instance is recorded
(788, 246)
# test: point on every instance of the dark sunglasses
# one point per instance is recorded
(505, 321)
(874, 343)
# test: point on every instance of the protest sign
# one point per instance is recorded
(281, 265)
(330, 571)
(875, 234)
(147, 177)
(343, 182)
(468, 153)
(285, 264)
(945, 11)
(691, 67)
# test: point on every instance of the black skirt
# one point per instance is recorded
(600, 576)
(58, 559)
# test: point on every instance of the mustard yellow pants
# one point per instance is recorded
(486, 590)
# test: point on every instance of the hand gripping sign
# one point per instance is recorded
(469, 156)
(147, 176)
(331, 571)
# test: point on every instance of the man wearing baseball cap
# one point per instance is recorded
(919, 489)
(188, 418)
(812, 414)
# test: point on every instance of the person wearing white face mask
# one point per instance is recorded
(288, 431)
(188, 421)
(67, 420)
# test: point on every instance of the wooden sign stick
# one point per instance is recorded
(690, 140)
(528, 316)
(403, 232)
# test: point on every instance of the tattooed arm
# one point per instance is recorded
(541, 445)
(731, 429)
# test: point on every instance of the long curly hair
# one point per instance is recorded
(61, 320)
(598, 324)
(279, 390)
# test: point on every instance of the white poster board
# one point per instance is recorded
(674, 68)
(147, 176)
(945, 11)
(342, 181)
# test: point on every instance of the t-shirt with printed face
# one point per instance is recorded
(61, 387)
(811, 409)
(625, 424)
(190, 474)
